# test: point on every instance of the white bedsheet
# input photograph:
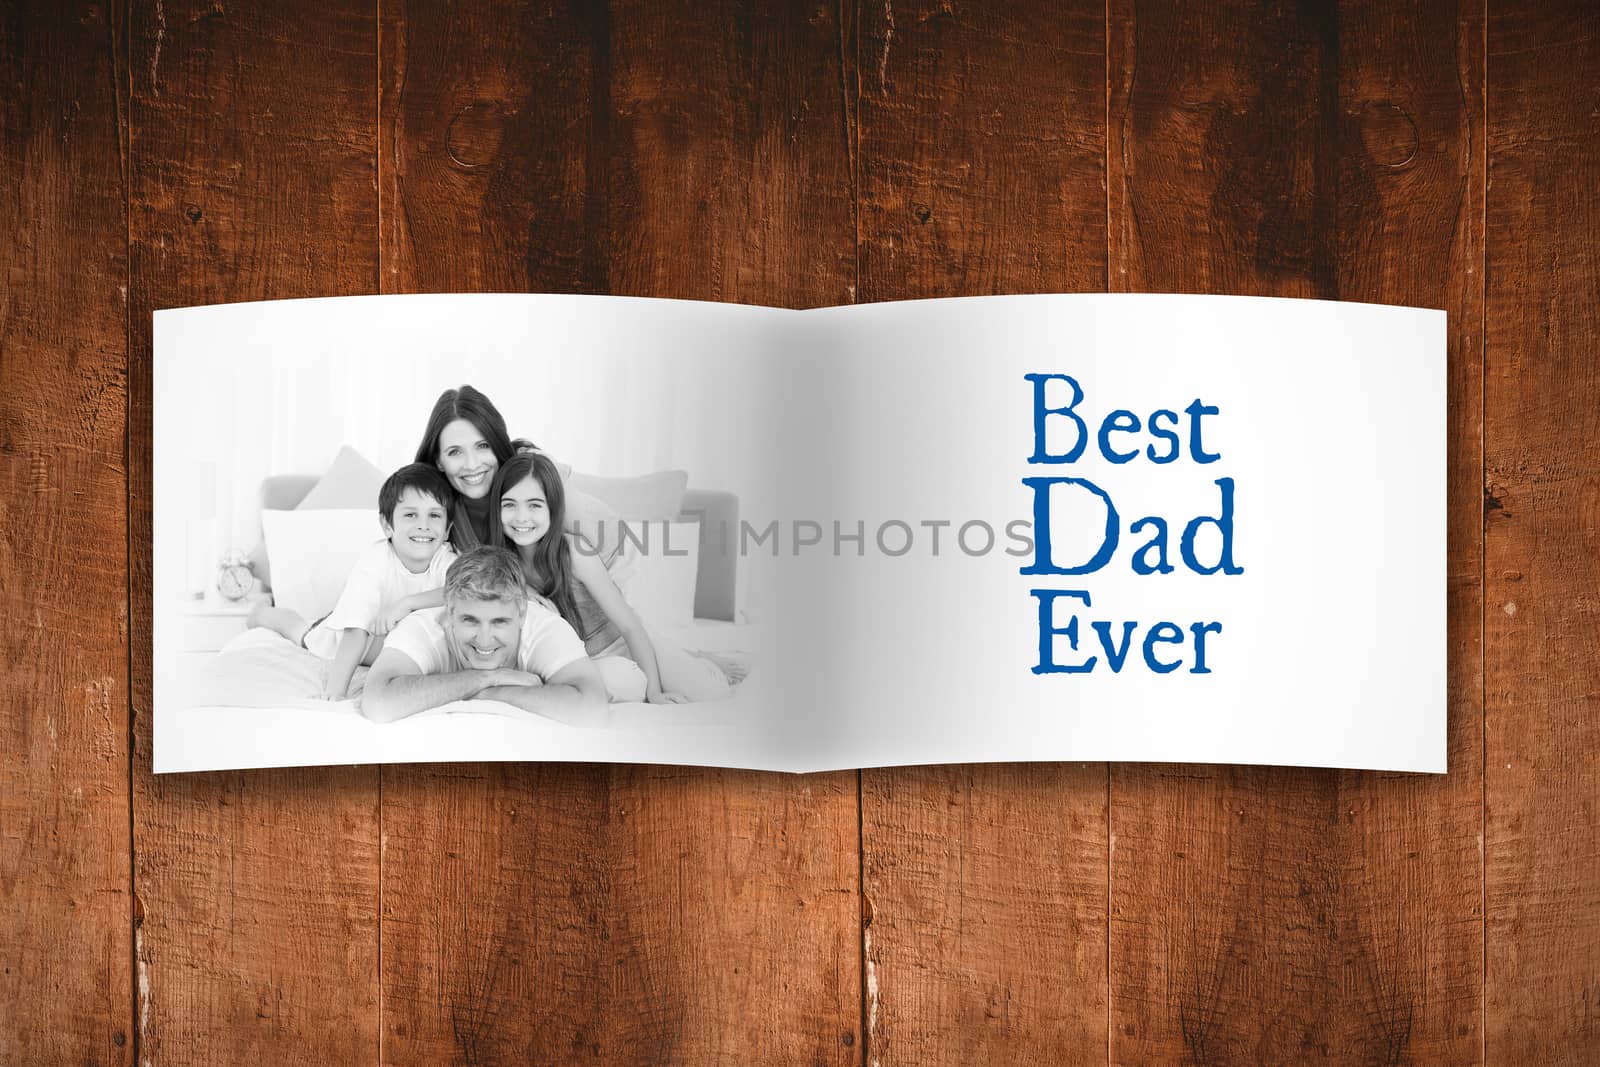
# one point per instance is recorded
(254, 704)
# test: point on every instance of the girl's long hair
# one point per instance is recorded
(469, 404)
(552, 555)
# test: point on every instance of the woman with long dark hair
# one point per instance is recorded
(466, 439)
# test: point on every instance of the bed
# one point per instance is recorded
(255, 703)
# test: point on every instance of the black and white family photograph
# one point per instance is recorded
(494, 525)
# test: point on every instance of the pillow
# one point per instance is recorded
(649, 496)
(313, 552)
(596, 523)
(351, 481)
(660, 587)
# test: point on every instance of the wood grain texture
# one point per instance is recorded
(65, 909)
(982, 149)
(622, 914)
(253, 167)
(982, 157)
(171, 153)
(1542, 578)
(1284, 915)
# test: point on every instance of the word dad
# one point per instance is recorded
(1120, 442)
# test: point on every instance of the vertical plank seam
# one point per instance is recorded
(852, 133)
(1483, 547)
(380, 914)
(135, 1022)
(377, 287)
(1105, 149)
(852, 122)
(854, 148)
(861, 913)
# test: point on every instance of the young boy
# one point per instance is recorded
(390, 579)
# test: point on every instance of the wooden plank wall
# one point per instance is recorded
(651, 914)
(1542, 537)
(802, 154)
(982, 170)
(1281, 915)
(256, 908)
(66, 958)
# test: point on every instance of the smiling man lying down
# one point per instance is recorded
(490, 641)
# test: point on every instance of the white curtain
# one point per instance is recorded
(610, 394)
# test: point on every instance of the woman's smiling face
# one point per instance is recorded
(524, 513)
(466, 459)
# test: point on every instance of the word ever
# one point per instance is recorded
(1122, 437)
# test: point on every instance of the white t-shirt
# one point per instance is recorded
(548, 642)
(377, 580)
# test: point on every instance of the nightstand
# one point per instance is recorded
(211, 622)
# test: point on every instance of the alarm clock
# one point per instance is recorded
(234, 577)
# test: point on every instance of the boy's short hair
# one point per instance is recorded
(486, 573)
(419, 476)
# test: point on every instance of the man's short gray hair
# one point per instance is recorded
(486, 573)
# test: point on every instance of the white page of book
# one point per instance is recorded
(1326, 649)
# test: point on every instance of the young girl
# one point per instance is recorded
(530, 520)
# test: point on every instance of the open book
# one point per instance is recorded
(506, 527)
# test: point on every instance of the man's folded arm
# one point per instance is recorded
(396, 687)
(571, 695)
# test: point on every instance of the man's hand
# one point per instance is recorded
(396, 687)
(506, 694)
(571, 695)
(657, 695)
(506, 683)
(512, 676)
